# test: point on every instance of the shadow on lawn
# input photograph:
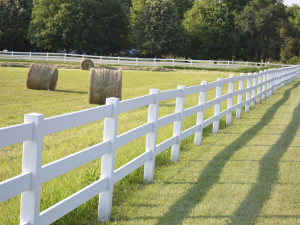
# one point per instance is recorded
(260, 192)
(211, 173)
(68, 91)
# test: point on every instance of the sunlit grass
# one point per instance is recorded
(72, 95)
(247, 174)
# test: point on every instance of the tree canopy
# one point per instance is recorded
(91, 26)
(156, 27)
(290, 33)
(14, 22)
(256, 30)
(207, 24)
(259, 23)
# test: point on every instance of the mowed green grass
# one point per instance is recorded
(72, 95)
(246, 174)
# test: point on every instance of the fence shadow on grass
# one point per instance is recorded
(76, 92)
(260, 192)
(211, 173)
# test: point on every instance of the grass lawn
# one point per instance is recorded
(245, 174)
(72, 95)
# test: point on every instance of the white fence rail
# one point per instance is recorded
(129, 61)
(260, 86)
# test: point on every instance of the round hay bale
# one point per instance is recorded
(87, 64)
(104, 83)
(42, 77)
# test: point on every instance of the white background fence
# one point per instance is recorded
(259, 87)
(128, 61)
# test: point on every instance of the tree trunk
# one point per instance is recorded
(266, 49)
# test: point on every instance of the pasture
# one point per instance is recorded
(226, 172)
(72, 95)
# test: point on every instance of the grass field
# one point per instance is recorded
(214, 183)
(247, 174)
(72, 95)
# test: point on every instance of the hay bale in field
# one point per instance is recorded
(104, 83)
(42, 77)
(87, 64)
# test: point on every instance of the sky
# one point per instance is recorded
(290, 2)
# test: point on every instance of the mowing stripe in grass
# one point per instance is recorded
(211, 182)
(251, 207)
(206, 180)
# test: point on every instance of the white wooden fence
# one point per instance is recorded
(259, 87)
(129, 61)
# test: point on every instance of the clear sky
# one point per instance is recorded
(290, 2)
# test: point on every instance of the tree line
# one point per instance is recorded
(253, 30)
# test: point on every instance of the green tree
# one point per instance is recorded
(183, 6)
(91, 26)
(14, 22)
(156, 27)
(259, 23)
(236, 6)
(208, 26)
(290, 33)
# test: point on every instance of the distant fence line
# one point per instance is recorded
(259, 87)
(130, 61)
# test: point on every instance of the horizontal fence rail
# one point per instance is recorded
(130, 61)
(259, 87)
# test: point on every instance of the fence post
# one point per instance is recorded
(240, 97)
(200, 115)
(263, 97)
(178, 124)
(278, 78)
(173, 62)
(268, 83)
(228, 64)
(30, 56)
(217, 107)
(274, 80)
(209, 63)
(47, 56)
(254, 90)
(154, 62)
(108, 161)
(191, 63)
(282, 75)
(119, 60)
(230, 99)
(259, 87)
(100, 60)
(248, 93)
(271, 82)
(151, 137)
(136, 61)
(32, 163)
(12, 54)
